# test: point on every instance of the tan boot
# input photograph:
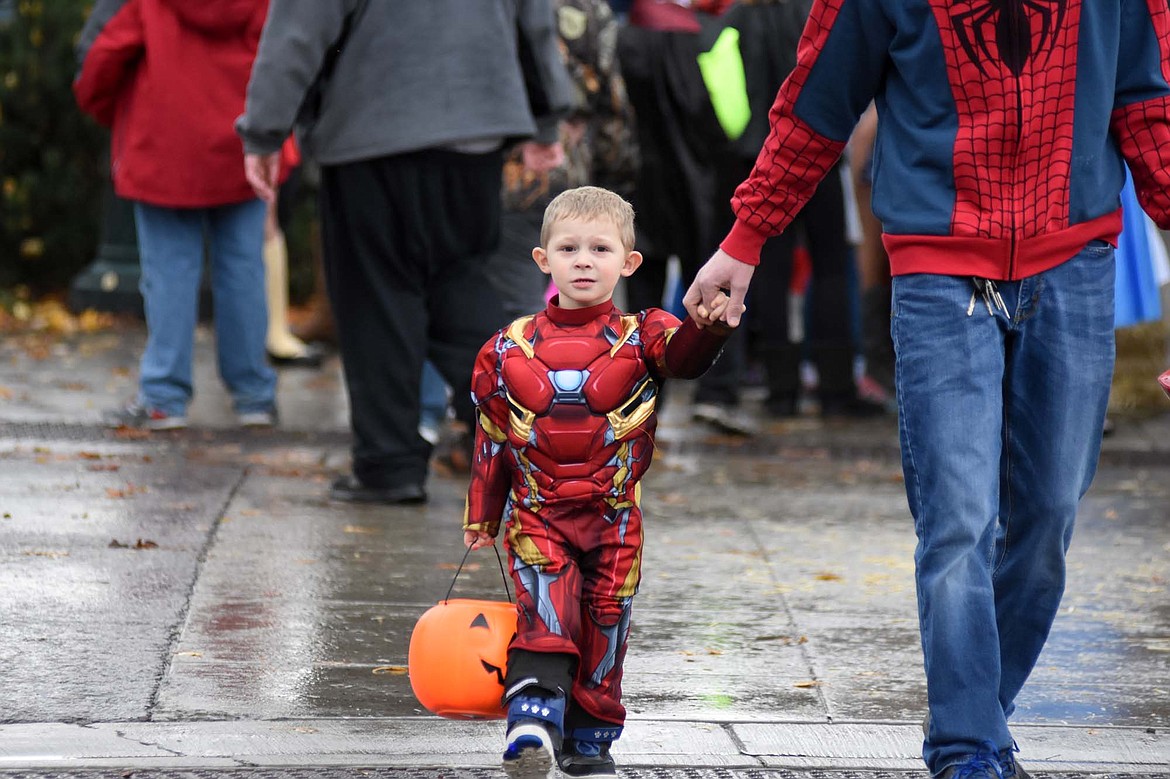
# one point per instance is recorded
(284, 348)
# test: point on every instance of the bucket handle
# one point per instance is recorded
(503, 575)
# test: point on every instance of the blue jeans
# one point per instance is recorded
(1000, 422)
(432, 395)
(170, 247)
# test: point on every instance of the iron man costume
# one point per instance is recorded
(566, 402)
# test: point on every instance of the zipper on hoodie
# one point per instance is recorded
(1015, 9)
(1013, 240)
(1016, 27)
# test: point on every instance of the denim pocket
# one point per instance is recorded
(1098, 248)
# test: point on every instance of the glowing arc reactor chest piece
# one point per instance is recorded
(569, 385)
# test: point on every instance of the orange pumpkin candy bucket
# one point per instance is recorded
(458, 654)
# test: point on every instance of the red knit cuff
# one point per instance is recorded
(744, 243)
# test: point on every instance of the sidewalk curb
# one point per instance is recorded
(430, 742)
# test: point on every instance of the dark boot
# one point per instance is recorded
(782, 366)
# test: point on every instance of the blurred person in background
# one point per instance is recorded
(408, 108)
(678, 135)
(767, 33)
(873, 267)
(169, 77)
(597, 137)
(284, 348)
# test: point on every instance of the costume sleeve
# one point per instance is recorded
(490, 476)
(840, 60)
(1141, 116)
(678, 351)
(293, 48)
(112, 44)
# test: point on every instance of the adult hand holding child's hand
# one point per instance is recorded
(715, 313)
(721, 275)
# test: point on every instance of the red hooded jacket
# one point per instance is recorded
(169, 78)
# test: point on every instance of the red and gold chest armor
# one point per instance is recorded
(566, 404)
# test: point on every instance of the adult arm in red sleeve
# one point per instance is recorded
(1141, 119)
(842, 54)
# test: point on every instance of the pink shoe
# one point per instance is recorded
(1164, 380)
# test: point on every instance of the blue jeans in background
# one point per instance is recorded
(1000, 420)
(434, 400)
(171, 250)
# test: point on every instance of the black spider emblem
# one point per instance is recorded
(1010, 24)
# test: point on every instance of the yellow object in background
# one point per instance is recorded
(722, 68)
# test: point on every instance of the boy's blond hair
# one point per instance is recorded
(590, 203)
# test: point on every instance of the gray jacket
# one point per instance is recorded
(410, 75)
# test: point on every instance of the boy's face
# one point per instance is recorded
(586, 259)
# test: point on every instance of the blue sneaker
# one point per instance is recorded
(984, 764)
(586, 758)
(534, 736)
(1008, 765)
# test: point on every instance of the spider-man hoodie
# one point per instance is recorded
(1004, 127)
(169, 77)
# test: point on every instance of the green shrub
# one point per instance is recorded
(51, 156)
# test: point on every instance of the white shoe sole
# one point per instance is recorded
(256, 419)
(723, 420)
(534, 760)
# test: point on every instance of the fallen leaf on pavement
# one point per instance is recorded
(393, 670)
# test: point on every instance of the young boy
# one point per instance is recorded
(566, 415)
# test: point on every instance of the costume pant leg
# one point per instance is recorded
(575, 578)
(610, 571)
(548, 599)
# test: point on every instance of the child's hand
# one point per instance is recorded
(477, 539)
(715, 314)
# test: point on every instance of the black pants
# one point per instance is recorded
(830, 313)
(405, 241)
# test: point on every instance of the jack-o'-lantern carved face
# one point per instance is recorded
(483, 635)
(458, 652)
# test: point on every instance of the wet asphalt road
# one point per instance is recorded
(197, 585)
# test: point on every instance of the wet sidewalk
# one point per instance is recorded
(190, 602)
